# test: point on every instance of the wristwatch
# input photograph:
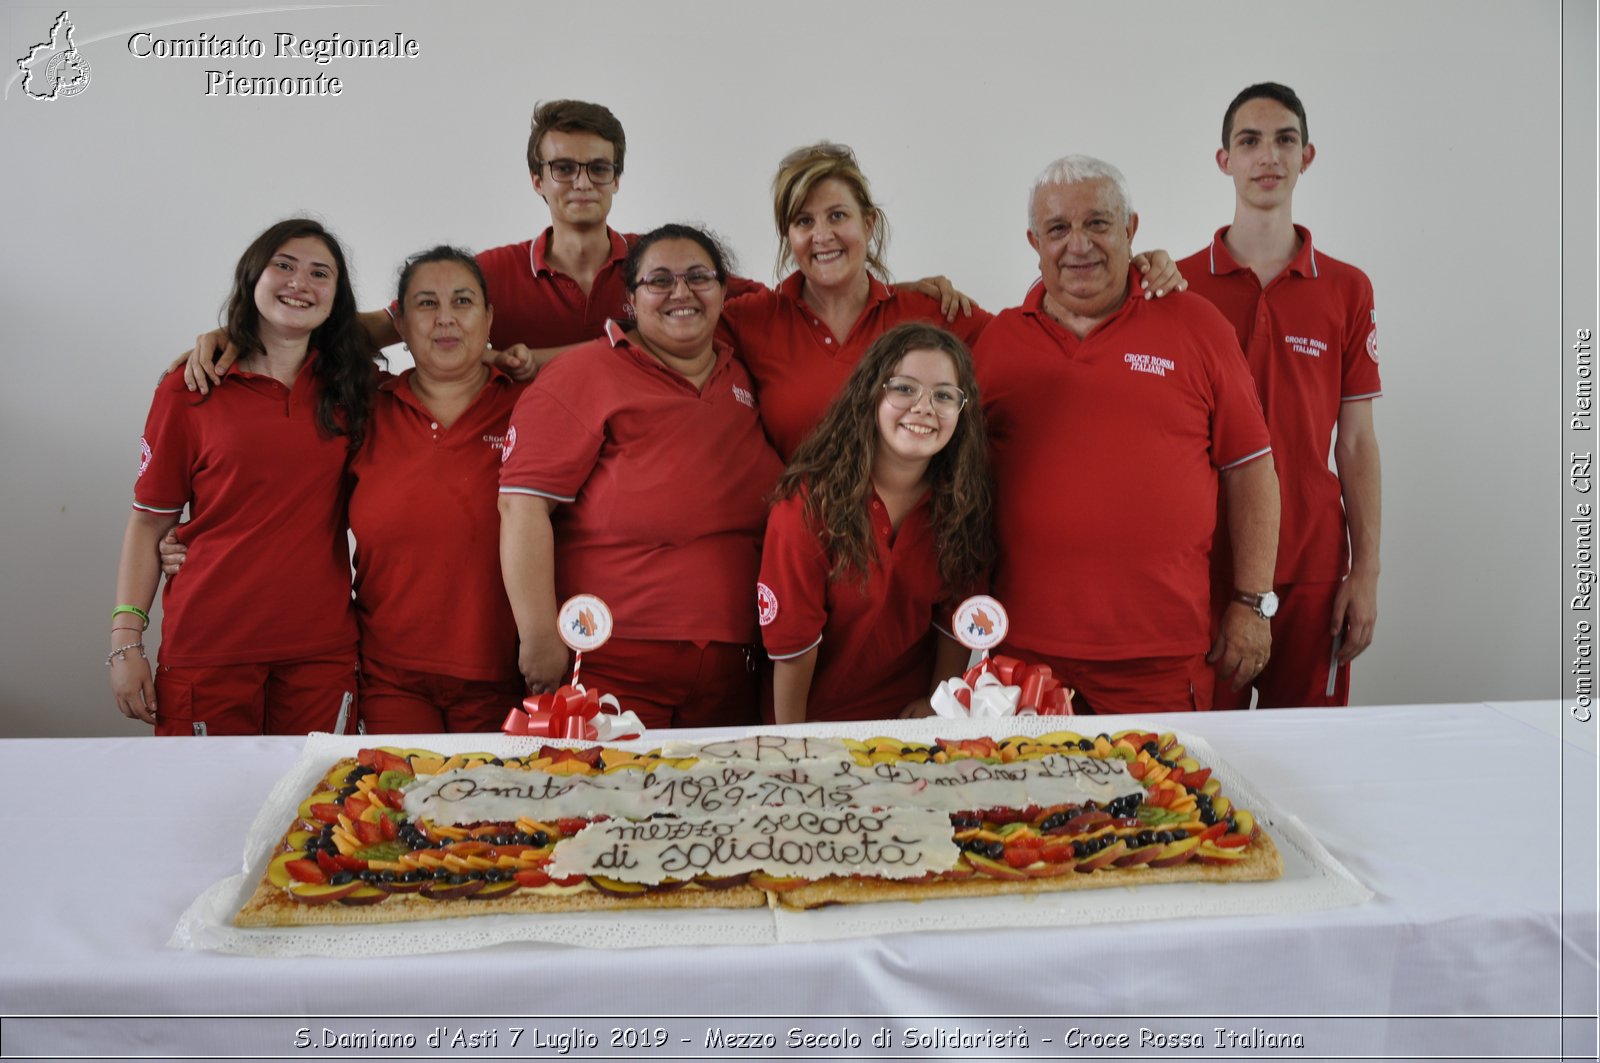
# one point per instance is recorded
(1265, 605)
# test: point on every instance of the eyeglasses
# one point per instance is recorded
(601, 171)
(665, 282)
(825, 149)
(903, 392)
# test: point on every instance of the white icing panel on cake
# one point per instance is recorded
(499, 794)
(892, 843)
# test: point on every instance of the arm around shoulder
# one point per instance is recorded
(379, 327)
(521, 362)
(738, 286)
(207, 362)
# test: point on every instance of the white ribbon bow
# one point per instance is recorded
(990, 698)
(616, 724)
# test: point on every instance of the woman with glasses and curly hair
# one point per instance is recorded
(258, 632)
(881, 525)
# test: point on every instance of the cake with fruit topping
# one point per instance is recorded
(396, 835)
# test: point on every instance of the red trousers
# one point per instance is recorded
(1140, 684)
(1301, 670)
(676, 684)
(402, 701)
(281, 697)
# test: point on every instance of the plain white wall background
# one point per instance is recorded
(1437, 127)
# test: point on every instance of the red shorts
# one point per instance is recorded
(402, 701)
(1141, 684)
(1301, 671)
(676, 684)
(278, 698)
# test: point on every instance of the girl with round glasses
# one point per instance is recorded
(636, 470)
(881, 524)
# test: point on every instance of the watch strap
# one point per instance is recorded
(1254, 601)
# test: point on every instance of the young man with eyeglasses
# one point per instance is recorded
(559, 288)
(1309, 331)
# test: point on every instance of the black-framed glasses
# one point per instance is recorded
(664, 281)
(904, 392)
(601, 171)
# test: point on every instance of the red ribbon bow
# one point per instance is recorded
(1042, 692)
(568, 713)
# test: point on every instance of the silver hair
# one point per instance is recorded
(1071, 169)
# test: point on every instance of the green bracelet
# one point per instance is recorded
(134, 609)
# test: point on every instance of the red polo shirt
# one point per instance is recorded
(799, 367)
(267, 577)
(537, 305)
(663, 487)
(876, 639)
(1106, 452)
(1311, 338)
(422, 506)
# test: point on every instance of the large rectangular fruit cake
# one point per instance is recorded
(397, 834)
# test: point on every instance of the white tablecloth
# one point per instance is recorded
(1473, 824)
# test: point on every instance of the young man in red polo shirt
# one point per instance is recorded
(559, 288)
(1309, 331)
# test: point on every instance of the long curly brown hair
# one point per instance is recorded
(834, 467)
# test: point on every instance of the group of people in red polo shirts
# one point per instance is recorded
(780, 493)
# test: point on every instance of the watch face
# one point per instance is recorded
(1269, 605)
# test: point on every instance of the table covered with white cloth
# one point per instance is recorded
(1472, 825)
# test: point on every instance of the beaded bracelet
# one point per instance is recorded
(121, 653)
(135, 610)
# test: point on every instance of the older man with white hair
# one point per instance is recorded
(1111, 421)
